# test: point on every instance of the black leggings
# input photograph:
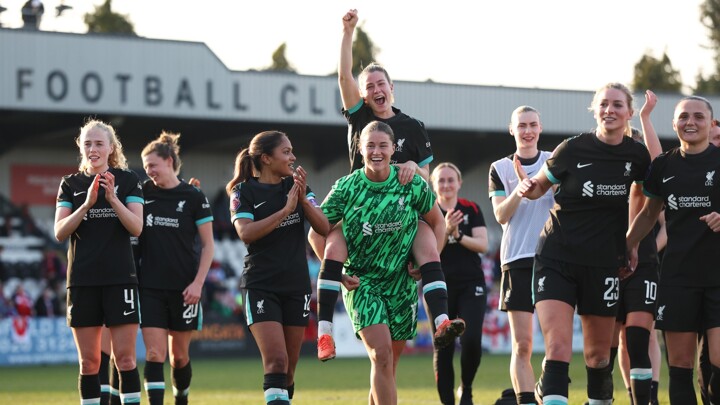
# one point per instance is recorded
(466, 300)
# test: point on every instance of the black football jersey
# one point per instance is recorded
(458, 262)
(588, 223)
(689, 185)
(411, 139)
(99, 253)
(171, 217)
(276, 262)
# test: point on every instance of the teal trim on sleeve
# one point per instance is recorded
(134, 199)
(425, 162)
(204, 220)
(65, 204)
(356, 107)
(498, 193)
(549, 175)
(243, 215)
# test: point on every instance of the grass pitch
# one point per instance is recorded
(341, 381)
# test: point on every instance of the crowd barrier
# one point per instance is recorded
(28, 340)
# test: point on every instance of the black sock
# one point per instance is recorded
(328, 288)
(291, 390)
(181, 378)
(89, 386)
(434, 289)
(654, 388)
(130, 386)
(114, 384)
(154, 382)
(638, 340)
(275, 388)
(600, 383)
(525, 398)
(104, 375)
(554, 378)
(681, 387)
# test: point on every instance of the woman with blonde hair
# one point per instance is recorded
(581, 248)
(99, 208)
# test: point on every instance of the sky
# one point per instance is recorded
(552, 44)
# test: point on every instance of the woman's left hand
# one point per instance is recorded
(350, 282)
(107, 182)
(300, 177)
(414, 272)
(453, 218)
(192, 293)
(406, 171)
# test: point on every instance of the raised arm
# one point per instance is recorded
(349, 90)
(652, 142)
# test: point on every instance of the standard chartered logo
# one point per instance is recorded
(696, 201)
(152, 220)
(590, 189)
(369, 229)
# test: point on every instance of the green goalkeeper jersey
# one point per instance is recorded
(379, 221)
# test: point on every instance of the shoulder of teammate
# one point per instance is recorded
(239, 193)
(421, 190)
(127, 182)
(469, 205)
(65, 190)
(358, 110)
(147, 186)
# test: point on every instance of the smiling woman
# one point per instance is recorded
(683, 180)
(269, 205)
(99, 208)
(573, 267)
(171, 275)
(380, 294)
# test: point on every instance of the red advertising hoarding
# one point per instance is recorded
(36, 184)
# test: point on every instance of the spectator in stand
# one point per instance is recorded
(22, 301)
(47, 304)
(32, 12)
